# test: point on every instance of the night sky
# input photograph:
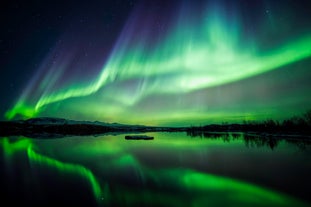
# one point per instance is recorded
(155, 62)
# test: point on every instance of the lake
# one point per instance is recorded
(174, 169)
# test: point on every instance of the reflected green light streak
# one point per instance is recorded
(194, 55)
(27, 146)
(11, 148)
(199, 181)
(198, 188)
(67, 167)
(121, 161)
(234, 192)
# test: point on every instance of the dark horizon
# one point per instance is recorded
(297, 126)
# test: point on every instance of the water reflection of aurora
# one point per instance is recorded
(182, 72)
(117, 175)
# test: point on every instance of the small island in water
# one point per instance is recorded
(138, 137)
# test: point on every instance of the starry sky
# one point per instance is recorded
(155, 62)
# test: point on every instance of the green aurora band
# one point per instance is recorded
(192, 56)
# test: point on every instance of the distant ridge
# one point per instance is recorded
(46, 120)
(58, 127)
(59, 121)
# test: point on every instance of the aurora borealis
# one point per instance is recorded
(177, 63)
(160, 63)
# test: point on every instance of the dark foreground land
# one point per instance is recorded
(46, 127)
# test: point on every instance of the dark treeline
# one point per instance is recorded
(297, 125)
(251, 140)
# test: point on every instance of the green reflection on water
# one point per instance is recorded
(23, 144)
(10, 148)
(67, 167)
(119, 171)
(232, 189)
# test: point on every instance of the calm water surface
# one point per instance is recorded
(172, 170)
